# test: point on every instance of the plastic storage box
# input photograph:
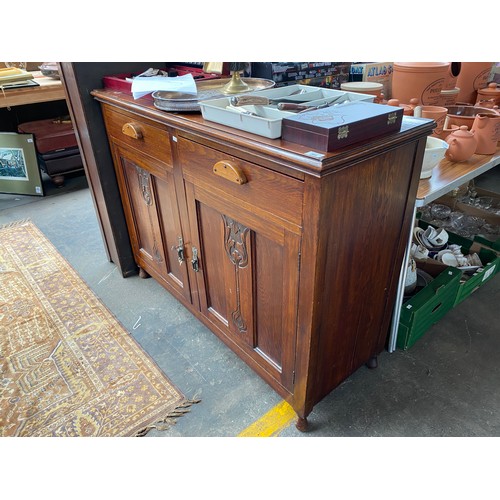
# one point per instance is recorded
(427, 307)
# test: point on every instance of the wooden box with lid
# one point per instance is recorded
(336, 127)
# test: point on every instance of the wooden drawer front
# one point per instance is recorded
(139, 134)
(263, 191)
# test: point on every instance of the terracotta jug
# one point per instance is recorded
(462, 144)
(486, 128)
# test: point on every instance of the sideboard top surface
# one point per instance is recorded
(299, 157)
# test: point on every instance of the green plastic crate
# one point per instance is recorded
(495, 245)
(487, 252)
(491, 262)
(489, 257)
(427, 307)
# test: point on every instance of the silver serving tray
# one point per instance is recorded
(207, 89)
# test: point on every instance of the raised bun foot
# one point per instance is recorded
(58, 180)
(302, 424)
(372, 363)
(143, 274)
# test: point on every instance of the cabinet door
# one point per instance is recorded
(150, 205)
(246, 270)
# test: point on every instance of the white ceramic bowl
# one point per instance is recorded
(434, 153)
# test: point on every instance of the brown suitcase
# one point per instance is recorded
(53, 134)
(56, 145)
(61, 162)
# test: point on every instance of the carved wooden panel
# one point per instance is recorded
(150, 206)
(248, 281)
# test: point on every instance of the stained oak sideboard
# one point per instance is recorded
(290, 257)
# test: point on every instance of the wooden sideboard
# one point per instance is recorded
(291, 260)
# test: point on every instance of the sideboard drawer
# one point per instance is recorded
(139, 134)
(269, 191)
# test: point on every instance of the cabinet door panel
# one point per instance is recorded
(215, 266)
(269, 280)
(153, 219)
(247, 280)
(174, 245)
(143, 212)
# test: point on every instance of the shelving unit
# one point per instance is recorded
(449, 175)
(445, 177)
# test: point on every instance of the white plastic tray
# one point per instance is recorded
(268, 121)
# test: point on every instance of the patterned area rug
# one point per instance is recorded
(67, 366)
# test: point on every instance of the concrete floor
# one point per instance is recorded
(447, 384)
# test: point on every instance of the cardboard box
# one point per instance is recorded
(336, 127)
(379, 72)
(452, 201)
(329, 74)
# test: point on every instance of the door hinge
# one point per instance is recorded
(293, 377)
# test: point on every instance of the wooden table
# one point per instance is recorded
(48, 89)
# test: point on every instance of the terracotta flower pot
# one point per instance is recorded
(436, 113)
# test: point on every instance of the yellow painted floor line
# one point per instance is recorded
(272, 423)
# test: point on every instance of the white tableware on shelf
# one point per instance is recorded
(411, 277)
(449, 259)
(419, 251)
(437, 237)
(435, 150)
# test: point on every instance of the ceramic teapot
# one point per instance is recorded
(462, 144)
(486, 128)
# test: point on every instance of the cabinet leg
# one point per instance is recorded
(58, 180)
(143, 274)
(372, 363)
(302, 424)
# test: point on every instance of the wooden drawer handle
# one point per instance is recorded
(132, 130)
(230, 172)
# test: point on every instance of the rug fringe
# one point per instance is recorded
(16, 223)
(168, 420)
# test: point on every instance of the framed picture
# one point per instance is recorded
(19, 171)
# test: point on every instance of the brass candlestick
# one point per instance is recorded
(236, 85)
